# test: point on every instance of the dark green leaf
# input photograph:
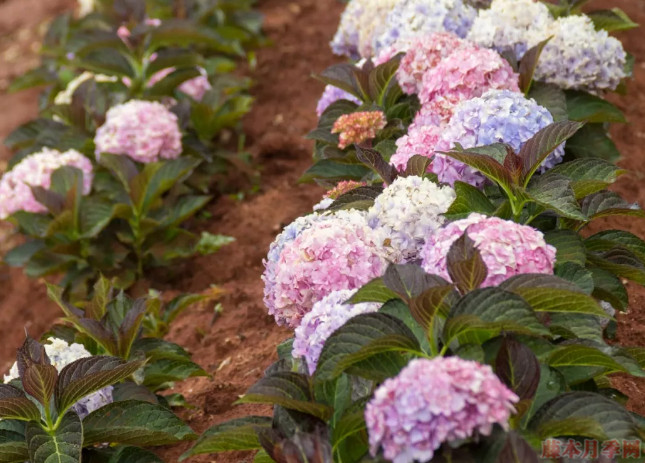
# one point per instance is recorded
(593, 141)
(485, 164)
(20, 255)
(469, 199)
(133, 455)
(38, 381)
(553, 191)
(13, 448)
(552, 98)
(14, 405)
(347, 77)
(373, 159)
(60, 446)
(607, 203)
(465, 264)
(374, 291)
(585, 107)
(135, 423)
(528, 64)
(578, 355)
(568, 245)
(433, 301)
(609, 239)
(588, 175)
(611, 20)
(334, 171)
(518, 367)
(576, 274)
(608, 287)
(409, 280)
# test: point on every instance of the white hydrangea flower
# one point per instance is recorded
(64, 97)
(511, 25)
(580, 57)
(62, 354)
(407, 212)
(85, 7)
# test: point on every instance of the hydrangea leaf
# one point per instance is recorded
(611, 20)
(554, 191)
(374, 291)
(593, 141)
(13, 448)
(552, 98)
(14, 405)
(465, 264)
(409, 280)
(528, 64)
(568, 245)
(135, 423)
(582, 106)
(518, 367)
(62, 445)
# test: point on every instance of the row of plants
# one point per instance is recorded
(447, 300)
(139, 128)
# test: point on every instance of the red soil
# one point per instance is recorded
(240, 343)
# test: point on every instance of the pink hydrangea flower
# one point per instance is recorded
(341, 252)
(467, 73)
(507, 248)
(195, 88)
(36, 170)
(146, 131)
(423, 135)
(358, 127)
(343, 187)
(435, 401)
(423, 54)
(326, 316)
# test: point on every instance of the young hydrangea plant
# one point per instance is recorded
(507, 248)
(467, 73)
(338, 252)
(408, 211)
(580, 57)
(325, 317)
(60, 355)
(146, 131)
(511, 25)
(435, 401)
(417, 18)
(499, 116)
(36, 170)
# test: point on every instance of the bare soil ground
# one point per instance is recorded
(239, 344)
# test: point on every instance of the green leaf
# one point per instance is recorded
(185, 208)
(355, 347)
(438, 299)
(465, 265)
(382, 82)
(573, 426)
(334, 171)
(32, 224)
(580, 276)
(373, 159)
(38, 381)
(361, 198)
(543, 143)
(615, 421)
(608, 287)
(553, 191)
(518, 367)
(548, 293)
(60, 446)
(568, 245)
(607, 203)
(162, 371)
(135, 423)
(529, 63)
(611, 20)
(236, 434)
(347, 77)
(417, 166)
(121, 166)
(149, 187)
(609, 239)
(588, 175)
(14, 405)
(133, 455)
(350, 425)
(289, 390)
(374, 291)
(585, 356)
(90, 374)
(13, 448)
(484, 313)
(469, 199)
(409, 280)
(620, 262)
(585, 107)
(593, 141)
(20, 255)
(94, 215)
(572, 326)
(484, 163)
(552, 98)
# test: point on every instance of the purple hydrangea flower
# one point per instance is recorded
(325, 317)
(60, 355)
(499, 116)
(338, 252)
(417, 18)
(507, 248)
(146, 131)
(435, 401)
(409, 210)
(332, 94)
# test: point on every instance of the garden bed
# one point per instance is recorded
(238, 344)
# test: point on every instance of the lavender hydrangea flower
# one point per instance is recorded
(409, 210)
(36, 170)
(507, 248)
(143, 130)
(326, 316)
(514, 25)
(580, 57)
(338, 252)
(60, 355)
(416, 18)
(499, 116)
(332, 94)
(435, 401)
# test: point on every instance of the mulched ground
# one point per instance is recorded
(239, 344)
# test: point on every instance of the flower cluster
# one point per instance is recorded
(408, 211)
(417, 18)
(36, 170)
(499, 116)
(358, 127)
(360, 21)
(580, 57)
(332, 94)
(338, 252)
(467, 73)
(422, 137)
(60, 355)
(511, 25)
(435, 401)
(422, 54)
(143, 130)
(326, 316)
(507, 248)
